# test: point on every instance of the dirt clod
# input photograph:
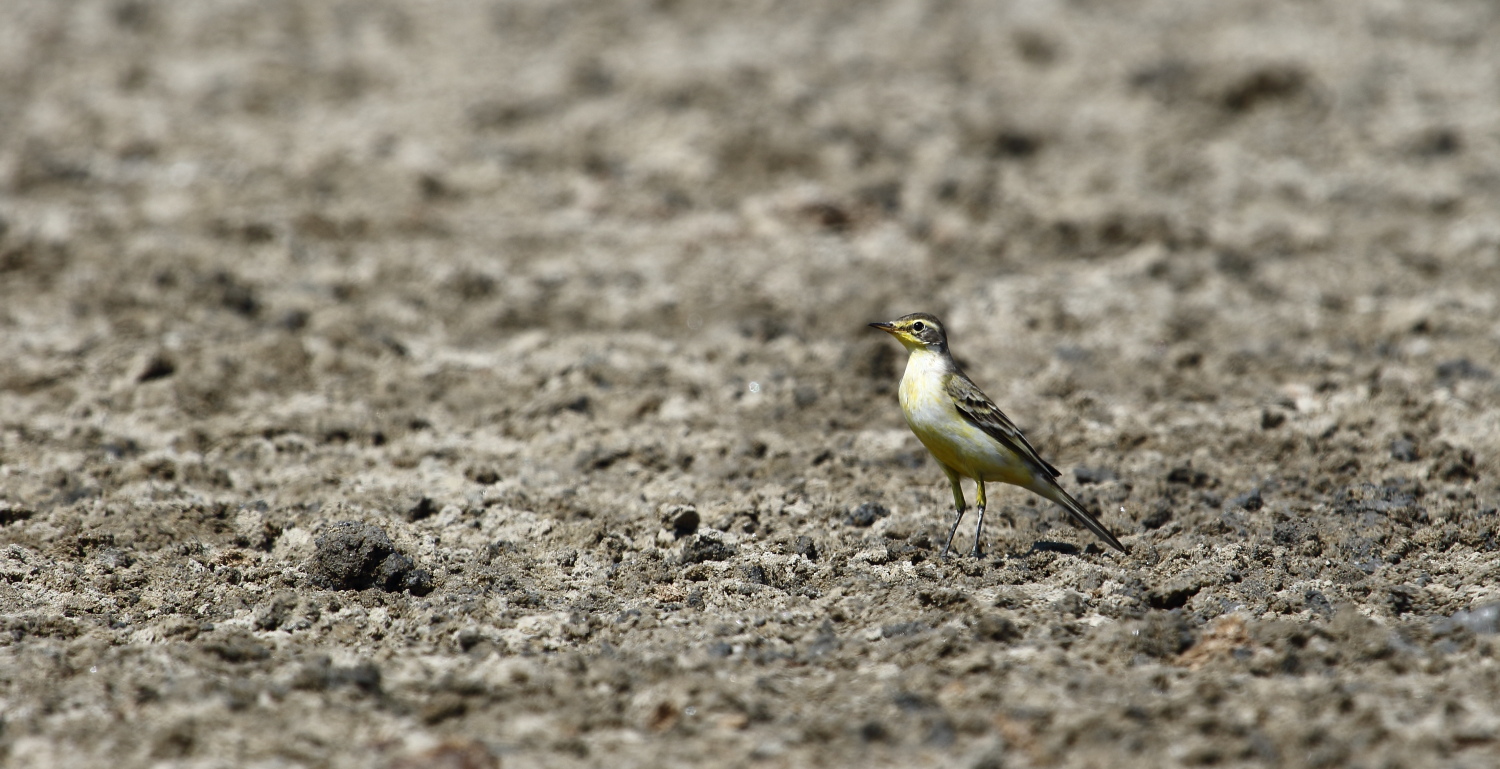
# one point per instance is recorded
(706, 547)
(354, 556)
(866, 514)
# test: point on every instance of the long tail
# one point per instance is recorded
(1049, 489)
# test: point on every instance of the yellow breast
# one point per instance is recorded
(953, 440)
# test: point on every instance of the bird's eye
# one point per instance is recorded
(919, 327)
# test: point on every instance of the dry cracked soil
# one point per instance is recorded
(478, 384)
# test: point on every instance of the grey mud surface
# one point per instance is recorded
(484, 384)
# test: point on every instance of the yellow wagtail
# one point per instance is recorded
(967, 435)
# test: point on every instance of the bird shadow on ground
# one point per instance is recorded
(1048, 546)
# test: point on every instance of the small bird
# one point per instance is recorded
(965, 432)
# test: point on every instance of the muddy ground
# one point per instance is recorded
(476, 384)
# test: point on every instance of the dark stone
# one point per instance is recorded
(1293, 534)
(911, 702)
(277, 612)
(866, 514)
(703, 548)
(352, 555)
(1266, 84)
(807, 548)
(1438, 142)
(1460, 468)
(1014, 144)
(827, 215)
(468, 638)
(9, 515)
(1188, 476)
(235, 295)
(416, 581)
(1159, 516)
(683, 521)
(159, 367)
(486, 476)
(1403, 599)
(424, 508)
(1317, 603)
(757, 575)
(1173, 596)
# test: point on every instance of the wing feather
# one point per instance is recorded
(981, 412)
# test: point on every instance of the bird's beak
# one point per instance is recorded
(883, 326)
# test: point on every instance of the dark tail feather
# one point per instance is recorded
(1056, 493)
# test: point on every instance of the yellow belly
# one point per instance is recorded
(954, 441)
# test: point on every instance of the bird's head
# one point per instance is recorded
(917, 331)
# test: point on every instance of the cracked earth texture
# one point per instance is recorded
(487, 384)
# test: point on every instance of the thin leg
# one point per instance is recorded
(958, 516)
(979, 527)
(958, 510)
